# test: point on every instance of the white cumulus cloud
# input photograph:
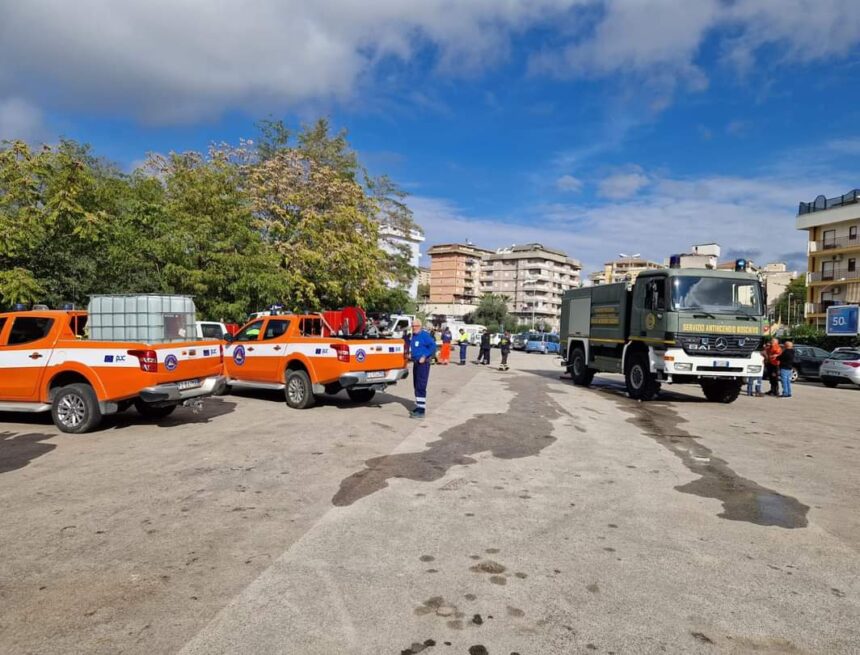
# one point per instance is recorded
(568, 183)
(622, 185)
(20, 119)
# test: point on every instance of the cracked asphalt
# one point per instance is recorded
(524, 515)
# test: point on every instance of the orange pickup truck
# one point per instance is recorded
(300, 354)
(46, 365)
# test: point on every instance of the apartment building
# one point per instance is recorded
(833, 248)
(455, 270)
(533, 277)
(625, 269)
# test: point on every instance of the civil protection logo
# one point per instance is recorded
(170, 362)
(239, 355)
(360, 355)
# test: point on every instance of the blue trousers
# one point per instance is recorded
(463, 347)
(420, 376)
(785, 378)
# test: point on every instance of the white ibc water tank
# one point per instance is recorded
(149, 318)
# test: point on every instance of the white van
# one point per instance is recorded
(210, 330)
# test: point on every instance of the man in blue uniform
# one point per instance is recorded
(421, 349)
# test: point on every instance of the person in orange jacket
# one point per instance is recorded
(773, 350)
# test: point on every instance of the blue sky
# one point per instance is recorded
(596, 126)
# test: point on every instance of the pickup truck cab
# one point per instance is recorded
(46, 365)
(299, 354)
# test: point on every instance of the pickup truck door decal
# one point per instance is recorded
(24, 357)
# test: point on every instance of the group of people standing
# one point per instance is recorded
(421, 347)
(778, 366)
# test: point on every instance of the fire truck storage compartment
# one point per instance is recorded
(147, 318)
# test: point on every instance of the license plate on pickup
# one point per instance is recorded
(375, 375)
(188, 384)
(722, 363)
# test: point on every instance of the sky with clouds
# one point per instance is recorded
(595, 126)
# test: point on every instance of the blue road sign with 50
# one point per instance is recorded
(842, 320)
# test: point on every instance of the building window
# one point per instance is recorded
(829, 239)
(852, 265)
(852, 233)
(826, 270)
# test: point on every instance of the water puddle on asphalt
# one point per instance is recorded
(742, 499)
(523, 431)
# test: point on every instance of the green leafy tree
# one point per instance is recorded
(313, 219)
(205, 239)
(392, 301)
(57, 206)
(493, 312)
(797, 290)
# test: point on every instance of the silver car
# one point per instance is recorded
(841, 366)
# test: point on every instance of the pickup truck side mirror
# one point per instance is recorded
(228, 337)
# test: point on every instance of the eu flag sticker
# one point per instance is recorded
(108, 359)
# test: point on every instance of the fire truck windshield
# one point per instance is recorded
(716, 295)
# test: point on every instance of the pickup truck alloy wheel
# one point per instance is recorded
(299, 393)
(75, 409)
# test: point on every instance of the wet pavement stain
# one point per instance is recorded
(742, 499)
(18, 450)
(523, 431)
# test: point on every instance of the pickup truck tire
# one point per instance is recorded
(361, 395)
(154, 412)
(75, 409)
(795, 374)
(298, 390)
(721, 391)
(642, 384)
(579, 371)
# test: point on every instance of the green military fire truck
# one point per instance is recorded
(674, 325)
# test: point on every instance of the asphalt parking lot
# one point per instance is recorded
(522, 516)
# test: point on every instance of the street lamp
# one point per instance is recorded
(790, 294)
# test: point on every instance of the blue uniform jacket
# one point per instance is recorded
(422, 345)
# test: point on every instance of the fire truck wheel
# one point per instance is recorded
(361, 395)
(642, 384)
(154, 412)
(721, 391)
(75, 409)
(298, 391)
(579, 371)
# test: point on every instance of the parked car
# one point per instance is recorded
(519, 341)
(840, 367)
(543, 343)
(807, 361)
(496, 339)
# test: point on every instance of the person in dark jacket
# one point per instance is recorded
(786, 365)
(505, 346)
(484, 355)
(421, 350)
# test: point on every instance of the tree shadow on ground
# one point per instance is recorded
(17, 450)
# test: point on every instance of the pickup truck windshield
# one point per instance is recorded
(716, 295)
